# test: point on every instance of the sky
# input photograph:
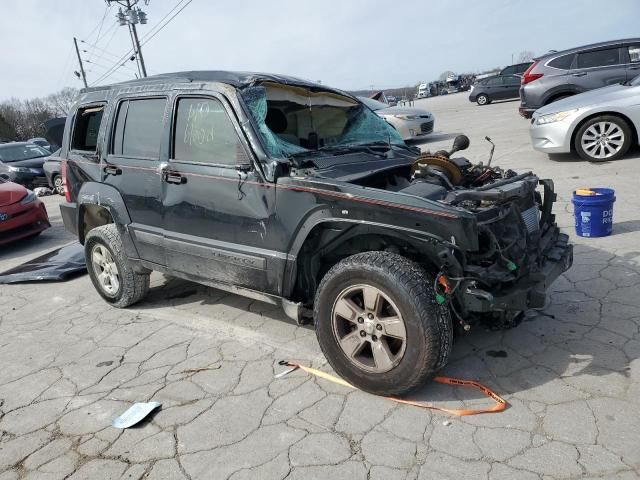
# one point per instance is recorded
(348, 44)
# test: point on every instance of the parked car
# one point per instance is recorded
(51, 169)
(22, 163)
(498, 87)
(559, 75)
(517, 69)
(411, 123)
(295, 193)
(599, 125)
(22, 214)
(43, 142)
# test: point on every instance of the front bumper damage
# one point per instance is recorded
(530, 291)
(522, 254)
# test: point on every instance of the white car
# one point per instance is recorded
(411, 123)
(599, 125)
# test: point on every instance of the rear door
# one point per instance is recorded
(510, 86)
(493, 87)
(218, 211)
(599, 68)
(132, 166)
(633, 60)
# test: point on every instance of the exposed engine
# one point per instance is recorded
(462, 180)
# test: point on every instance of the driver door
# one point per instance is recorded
(218, 210)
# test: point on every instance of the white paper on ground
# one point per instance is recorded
(134, 414)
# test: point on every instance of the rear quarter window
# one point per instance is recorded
(86, 128)
(562, 63)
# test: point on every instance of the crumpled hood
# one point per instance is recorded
(11, 193)
(403, 111)
(612, 94)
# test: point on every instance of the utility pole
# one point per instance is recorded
(84, 76)
(130, 17)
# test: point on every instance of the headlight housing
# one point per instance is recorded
(29, 197)
(17, 169)
(407, 117)
(554, 117)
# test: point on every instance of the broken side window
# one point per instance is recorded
(86, 128)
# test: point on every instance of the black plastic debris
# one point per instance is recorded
(57, 265)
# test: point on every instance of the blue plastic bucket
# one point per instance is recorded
(593, 214)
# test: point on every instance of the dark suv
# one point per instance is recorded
(298, 194)
(562, 74)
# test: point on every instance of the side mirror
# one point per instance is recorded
(461, 142)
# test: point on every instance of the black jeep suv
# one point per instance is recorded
(295, 193)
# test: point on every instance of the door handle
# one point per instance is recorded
(111, 170)
(579, 74)
(175, 178)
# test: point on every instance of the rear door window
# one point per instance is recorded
(86, 128)
(599, 58)
(494, 81)
(511, 80)
(138, 128)
(562, 63)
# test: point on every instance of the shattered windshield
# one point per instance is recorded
(293, 120)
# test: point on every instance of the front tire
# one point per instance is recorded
(110, 270)
(483, 99)
(378, 323)
(603, 138)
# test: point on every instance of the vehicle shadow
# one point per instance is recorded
(569, 350)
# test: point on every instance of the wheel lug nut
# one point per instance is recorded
(363, 333)
(370, 315)
(374, 338)
(360, 320)
(378, 327)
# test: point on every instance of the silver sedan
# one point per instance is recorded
(411, 123)
(599, 125)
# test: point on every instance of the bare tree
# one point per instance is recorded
(525, 56)
(23, 119)
(61, 102)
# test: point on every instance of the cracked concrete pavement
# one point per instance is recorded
(70, 364)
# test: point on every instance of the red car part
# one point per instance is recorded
(22, 214)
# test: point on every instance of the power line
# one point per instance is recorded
(150, 36)
(100, 22)
(158, 27)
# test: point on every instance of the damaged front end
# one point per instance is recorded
(520, 248)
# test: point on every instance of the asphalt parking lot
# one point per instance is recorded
(571, 374)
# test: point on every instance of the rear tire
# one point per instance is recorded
(483, 99)
(373, 358)
(614, 133)
(110, 270)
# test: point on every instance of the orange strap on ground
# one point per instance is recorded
(499, 406)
